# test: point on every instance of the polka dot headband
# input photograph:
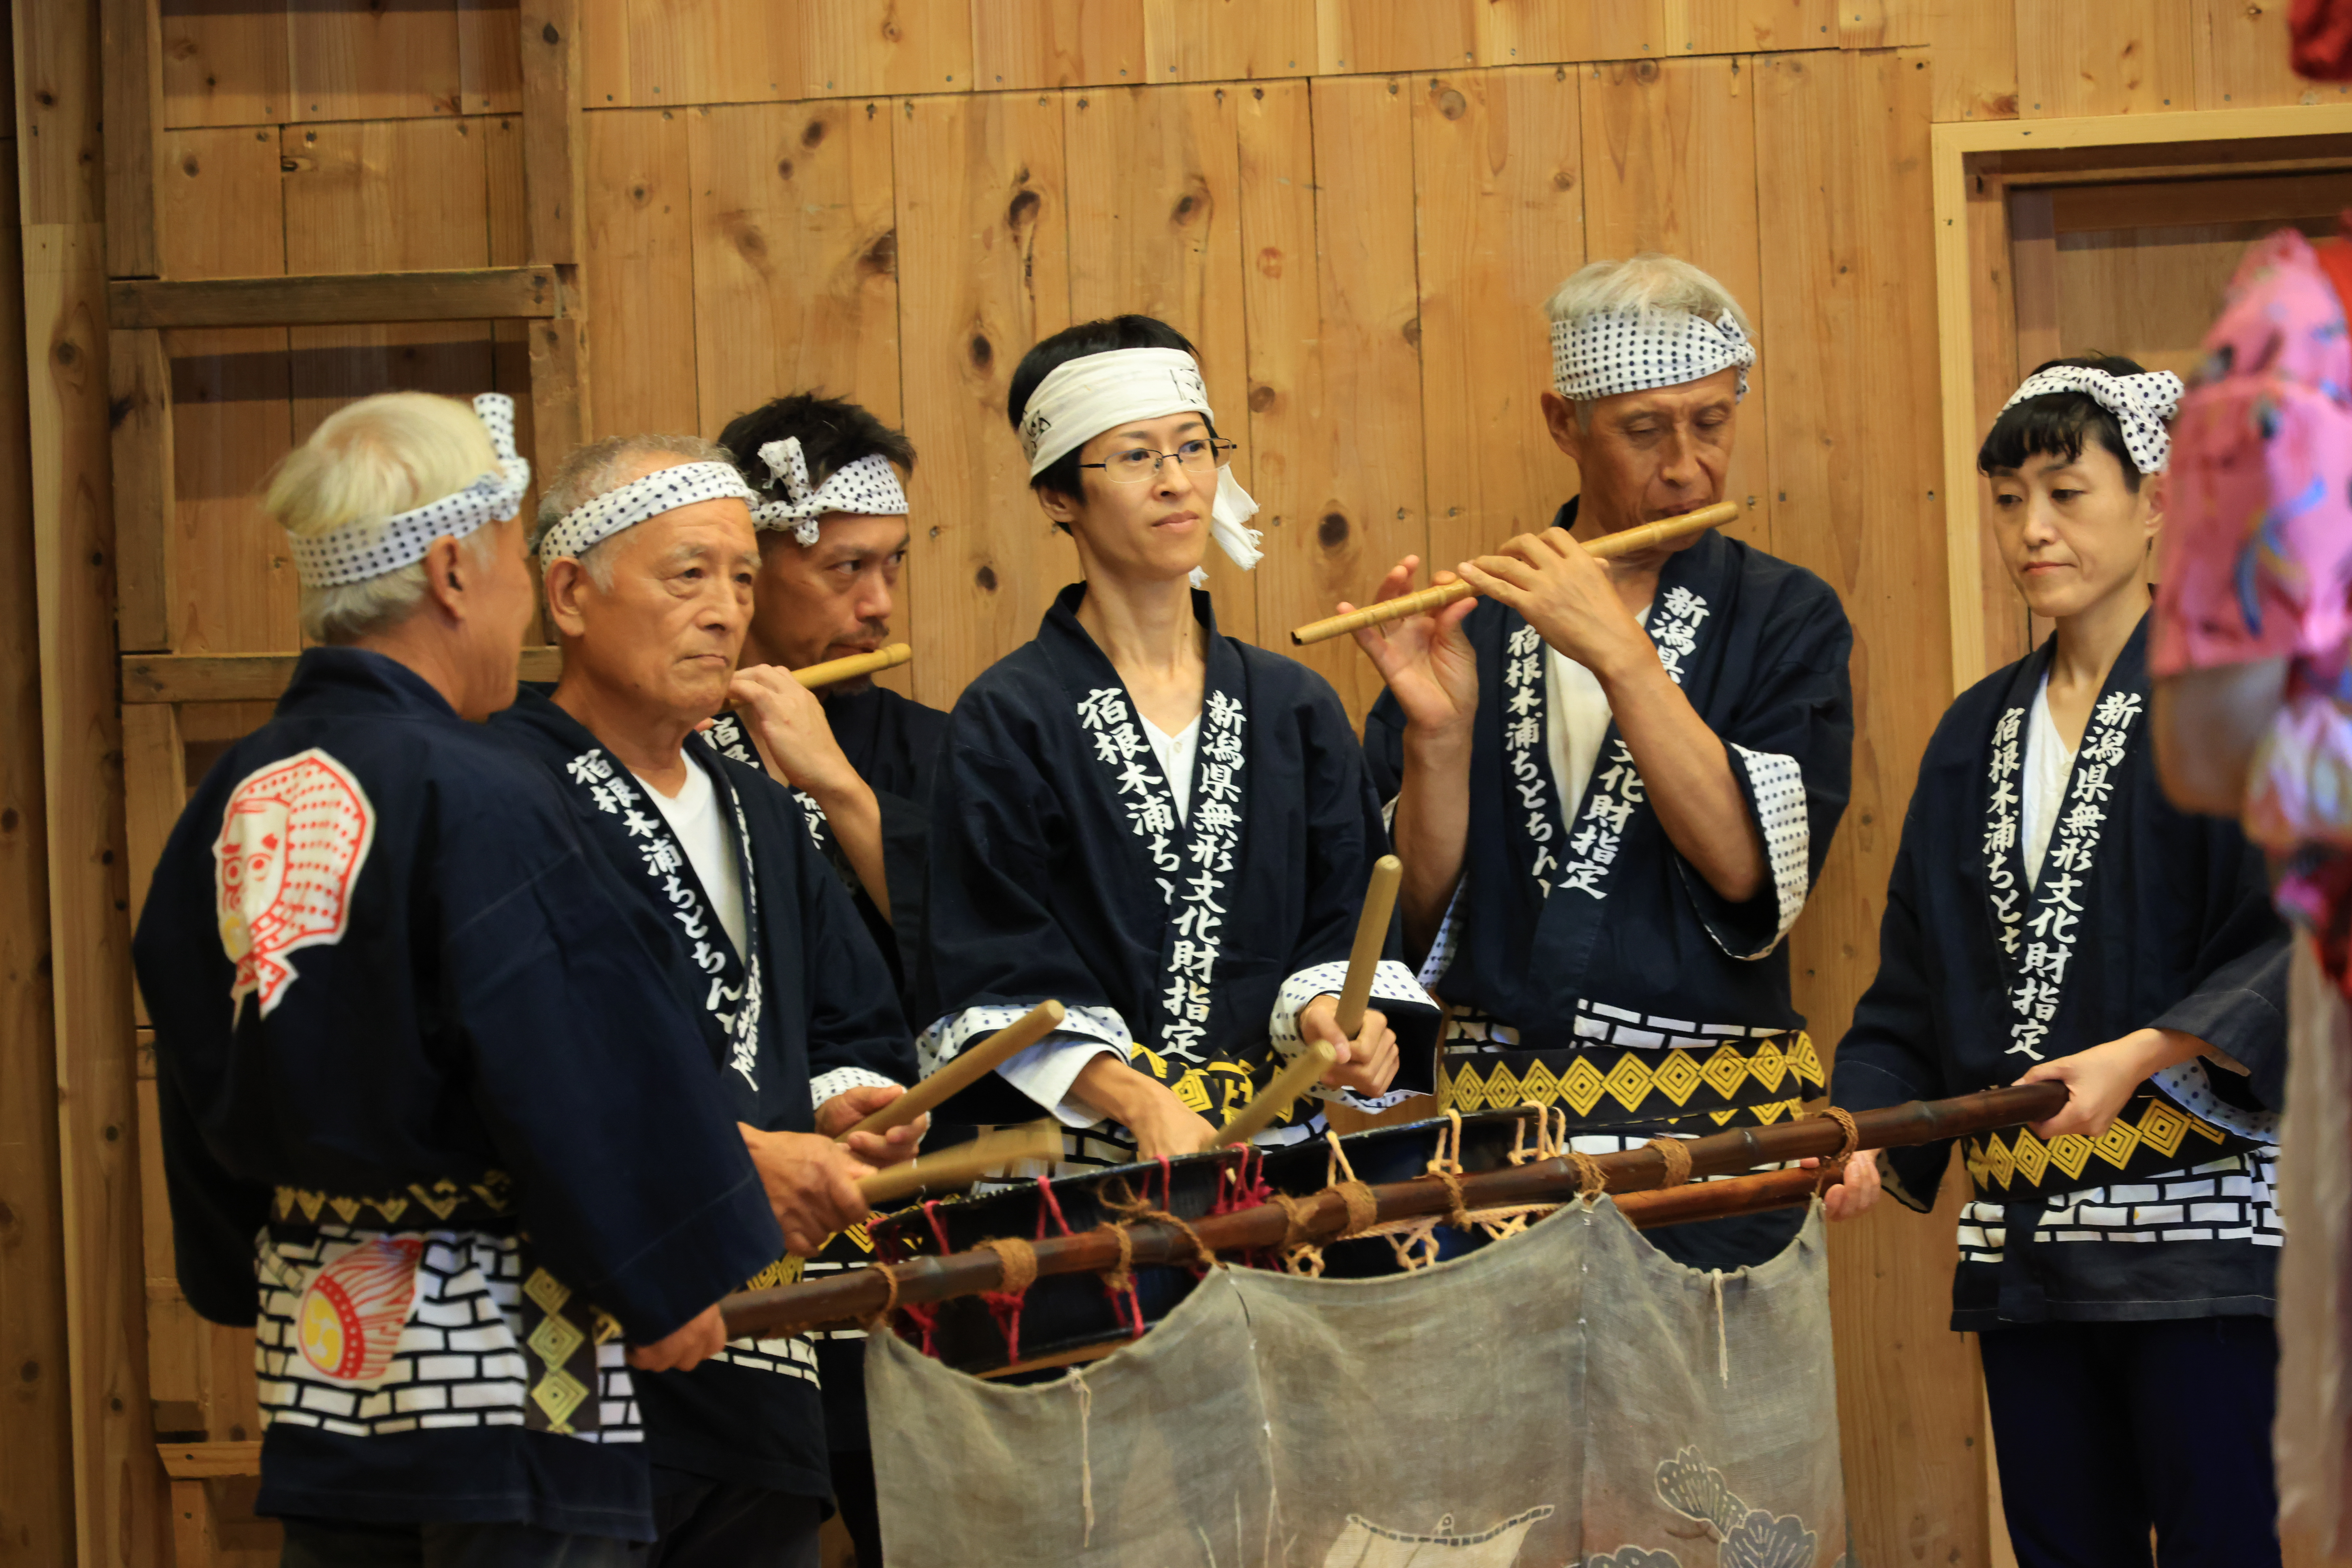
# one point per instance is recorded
(2143, 404)
(867, 488)
(365, 549)
(1633, 351)
(1086, 396)
(593, 521)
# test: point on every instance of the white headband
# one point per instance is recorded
(1084, 397)
(2141, 403)
(867, 488)
(1633, 351)
(363, 550)
(665, 490)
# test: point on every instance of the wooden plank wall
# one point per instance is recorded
(1353, 206)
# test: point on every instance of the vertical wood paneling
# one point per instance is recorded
(489, 57)
(2241, 57)
(1670, 165)
(224, 66)
(359, 60)
(1357, 36)
(119, 1486)
(2120, 57)
(1057, 43)
(37, 1448)
(1524, 32)
(1282, 313)
(1844, 241)
(1500, 200)
(1971, 54)
(232, 589)
(1226, 41)
(983, 274)
(1155, 228)
(1995, 293)
(640, 228)
(710, 51)
(1743, 26)
(872, 47)
(1356, 500)
(795, 279)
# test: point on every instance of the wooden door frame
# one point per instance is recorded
(1975, 163)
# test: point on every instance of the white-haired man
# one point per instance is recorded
(401, 1028)
(648, 560)
(1613, 782)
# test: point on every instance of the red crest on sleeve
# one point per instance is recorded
(292, 841)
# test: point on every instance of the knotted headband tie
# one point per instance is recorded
(2143, 406)
(359, 551)
(867, 488)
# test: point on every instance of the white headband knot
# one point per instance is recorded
(2143, 406)
(1084, 397)
(867, 488)
(1618, 351)
(365, 549)
(665, 490)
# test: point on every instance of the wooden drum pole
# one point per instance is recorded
(1608, 547)
(855, 665)
(1371, 935)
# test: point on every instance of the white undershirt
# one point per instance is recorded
(2048, 764)
(1576, 720)
(695, 816)
(1175, 753)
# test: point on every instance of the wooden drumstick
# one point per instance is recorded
(963, 1165)
(1371, 935)
(967, 1068)
(1626, 541)
(855, 665)
(1306, 1070)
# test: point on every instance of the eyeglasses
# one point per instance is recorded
(1137, 464)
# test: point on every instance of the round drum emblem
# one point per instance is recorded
(350, 1319)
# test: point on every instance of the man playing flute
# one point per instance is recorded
(406, 1050)
(833, 523)
(1164, 828)
(648, 559)
(1613, 783)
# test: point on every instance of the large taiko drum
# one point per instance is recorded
(1068, 1318)
(1060, 1317)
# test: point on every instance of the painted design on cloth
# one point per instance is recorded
(350, 1317)
(734, 979)
(1471, 1077)
(478, 1345)
(2037, 968)
(1213, 824)
(2025, 1161)
(2230, 1199)
(293, 839)
(1496, 1546)
(727, 736)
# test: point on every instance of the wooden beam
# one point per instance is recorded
(251, 677)
(555, 166)
(131, 68)
(139, 373)
(559, 390)
(209, 1461)
(359, 299)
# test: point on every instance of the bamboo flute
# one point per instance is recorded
(1625, 542)
(855, 665)
(857, 1294)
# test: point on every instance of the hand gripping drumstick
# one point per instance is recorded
(855, 665)
(1371, 935)
(1306, 1070)
(1627, 541)
(962, 1165)
(984, 1058)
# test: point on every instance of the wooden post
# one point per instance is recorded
(119, 1497)
(132, 59)
(555, 177)
(139, 372)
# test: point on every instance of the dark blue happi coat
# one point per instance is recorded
(808, 1014)
(412, 1074)
(1588, 966)
(2143, 916)
(1060, 869)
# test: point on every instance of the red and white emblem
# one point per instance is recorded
(291, 844)
(351, 1318)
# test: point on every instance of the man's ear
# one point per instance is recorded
(567, 585)
(447, 577)
(1560, 418)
